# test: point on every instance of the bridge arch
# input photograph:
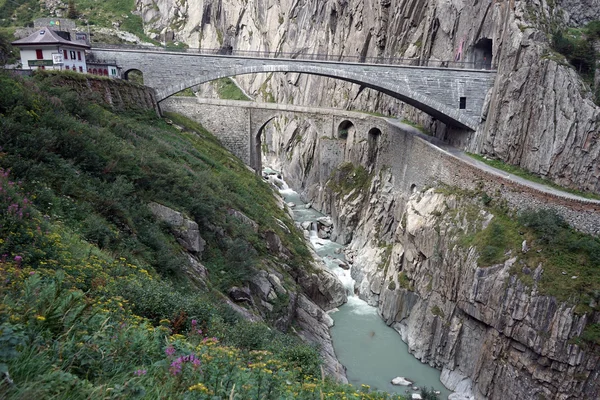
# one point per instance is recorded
(433, 90)
(345, 129)
(425, 103)
(257, 145)
(373, 139)
(134, 75)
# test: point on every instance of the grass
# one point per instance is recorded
(348, 178)
(515, 170)
(227, 89)
(415, 125)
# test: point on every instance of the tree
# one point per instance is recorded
(5, 49)
(72, 13)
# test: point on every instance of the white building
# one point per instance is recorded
(52, 50)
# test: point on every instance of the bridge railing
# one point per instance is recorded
(300, 55)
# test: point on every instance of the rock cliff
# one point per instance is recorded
(492, 335)
(540, 114)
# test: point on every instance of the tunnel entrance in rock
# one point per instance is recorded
(482, 54)
(345, 129)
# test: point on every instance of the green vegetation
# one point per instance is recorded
(518, 171)
(415, 125)
(591, 333)
(8, 54)
(187, 92)
(18, 13)
(562, 252)
(577, 45)
(435, 310)
(569, 260)
(403, 281)
(348, 178)
(92, 12)
(95, 303)
(227, 89)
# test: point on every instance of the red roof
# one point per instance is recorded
(46, 37)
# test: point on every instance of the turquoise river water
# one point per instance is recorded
(372, 352)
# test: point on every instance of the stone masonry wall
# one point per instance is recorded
(411, 159)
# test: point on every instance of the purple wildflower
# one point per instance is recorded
(170, 350)
(177, 365)
(140, 372)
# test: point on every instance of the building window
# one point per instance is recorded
(79, 55)
(113, 71)
(67, 67)
(66, 56)
(39, 54)
(105, 72)
(463, 103)
(72, 54)
(80, 69)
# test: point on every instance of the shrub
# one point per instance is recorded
(546, 223)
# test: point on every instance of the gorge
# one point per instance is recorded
(491, 282)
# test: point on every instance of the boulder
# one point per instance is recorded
(240, 216)
(240, 294)
(185, 230)
(401, 381)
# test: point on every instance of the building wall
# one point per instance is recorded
(29, 53)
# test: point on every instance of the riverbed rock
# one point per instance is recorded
(401, 381)
(315, 323)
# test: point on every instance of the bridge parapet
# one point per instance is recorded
(304, 56)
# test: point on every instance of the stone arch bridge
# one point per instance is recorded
(454, 96)
(242, 131)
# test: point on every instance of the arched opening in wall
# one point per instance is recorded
(345, 128)
(257, 147)
(482, 54)
(373, 141)
(134, 75)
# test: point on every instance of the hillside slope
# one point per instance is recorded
(120, 237)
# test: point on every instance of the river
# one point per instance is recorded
(372, 352)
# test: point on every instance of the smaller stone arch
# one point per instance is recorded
(345, 129)
(256, 151)
(133, 75)
(373, 139)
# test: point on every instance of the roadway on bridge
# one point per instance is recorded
(483, 166)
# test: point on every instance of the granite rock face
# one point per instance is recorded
(539, 116)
